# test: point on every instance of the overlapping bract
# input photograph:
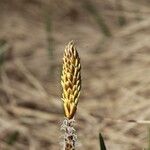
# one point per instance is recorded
(71, 80)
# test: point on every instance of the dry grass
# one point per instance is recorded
(116, 79)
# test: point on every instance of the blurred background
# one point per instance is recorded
(113, 41)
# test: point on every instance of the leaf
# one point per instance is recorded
(102, 143)
(2, 51)
(12, 138)
(88, 5)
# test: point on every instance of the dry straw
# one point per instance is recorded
(71, 85)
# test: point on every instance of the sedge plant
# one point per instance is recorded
(71, 86)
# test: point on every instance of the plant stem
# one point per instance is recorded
(70, 137)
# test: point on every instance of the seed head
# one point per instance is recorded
(71, 80)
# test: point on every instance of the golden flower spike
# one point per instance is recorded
(71, 80)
